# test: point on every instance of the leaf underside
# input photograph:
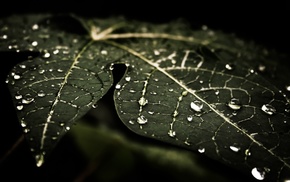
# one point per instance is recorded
(199, 89)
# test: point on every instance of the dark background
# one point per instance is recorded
(265, 23)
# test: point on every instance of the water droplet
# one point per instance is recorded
(201, 150)
(35, 27)
(142, 101)
(196, 105)
(171, 133)
(39, 160)
(118, 86)
(60, 70)
(46, 55)
(247, 152)
(262, 68)
(127, 78)
(41, 71)
(235, 148)
(170, 90)
(18, 97)
(151, 112)
(41, 93)
(131, 122)
(23, 66)
(95, 105)
(141, 119)
(16, 77)
(19, 107)
(189, 118)
(258, 173)
(288, 88)
(34, 43)
(27, 100)
(55, 51)
(268, 109)
(229, 66)
(67, 128)
(217, 92)
(23, 123)
(104, 52)
(26, 130)
(234, 104)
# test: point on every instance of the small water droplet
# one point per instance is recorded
(26, 130)
(41, 93)
(262, 68)
(16, 77)
(104, 52)
(234, 104)
(268, 109)
(118, 86)
(170, 90)
(196, 105)
(217, 92)
(142, 101)
(18, 97)
(127, 78)
(288, 88)
(171, 133)
(46, 55)
(41, 71)
(151, 112)
(247, 152)
(95, 105)
(27, 100)
(55, 51)
(23, 66)
(131, 122)
(34, 43)
(141, 119)
(201, 150)
(189, 118)
(39, 160)
(67, 128)
(60, 70)
(35, 27)
(258, 173)
(19, 107)
(235, 148)
(23, 123)
(229, 66)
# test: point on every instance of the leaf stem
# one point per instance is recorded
(16, 144)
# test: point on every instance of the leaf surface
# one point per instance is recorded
(198, 89)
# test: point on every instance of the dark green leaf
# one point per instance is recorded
(199, 89)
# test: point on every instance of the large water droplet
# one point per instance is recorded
(142, 120)
(234, 104)
(268, 109)
(258, 173)
(196, 105)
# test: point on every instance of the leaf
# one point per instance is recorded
(197, 89)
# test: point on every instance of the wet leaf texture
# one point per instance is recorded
(199, 89)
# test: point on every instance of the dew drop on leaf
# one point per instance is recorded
(247, 152)
(141, 119)
(127, 78)
(18, 97)
(142, 101)
(288, 88)
(118, 86)
(201, 150)
(34, 43)
(19, 107)
(41, 93)
(196, 105)
(258, 173)
(234, 104)
(234, 148)
(229, 67)
(189, 118)
(171, 133)
(268, 109)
